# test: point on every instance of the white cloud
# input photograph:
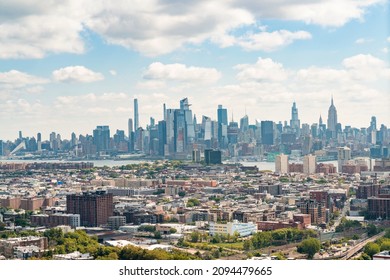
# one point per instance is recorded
(318, 75)
(388, 39)
(265, 69)
(270, 41)
(366, 67)
(157, 27)
(181, 73)
(33, 29)
(76, 74)
(321, 12)
(361, 41)
(113, 72)
(16, 79)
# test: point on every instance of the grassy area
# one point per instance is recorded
(234, 246)
(208, 246)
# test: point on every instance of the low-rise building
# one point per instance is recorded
(243, 229)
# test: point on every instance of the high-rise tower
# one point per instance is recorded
(295, 123)
(136, 116)
(332, 119)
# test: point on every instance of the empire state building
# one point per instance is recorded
(332, 119)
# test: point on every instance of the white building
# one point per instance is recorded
(243, 229)
(281, 164)
(309, 164)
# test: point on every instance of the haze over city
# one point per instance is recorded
(84, 66)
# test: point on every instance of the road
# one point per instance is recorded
(352, 251)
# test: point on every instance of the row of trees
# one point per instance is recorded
(61, 243)
(372, 248)
(277, 237)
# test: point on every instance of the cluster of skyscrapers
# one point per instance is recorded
(180, 135)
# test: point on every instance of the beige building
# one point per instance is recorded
(309, 164)
(281, 164)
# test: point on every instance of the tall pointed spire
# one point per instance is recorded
(331, 101)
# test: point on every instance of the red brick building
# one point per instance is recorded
(94, 207)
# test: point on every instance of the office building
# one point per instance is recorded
(332, 120)
(94, 207)
(222, 126)
(267, 132)
(136, 115)
(212, 156)
(295, 123)
(101, 138)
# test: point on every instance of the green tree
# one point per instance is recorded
(216, 238)
(195, 236)
(248, 246)
(147, 228)
(371, 249)
(385, 246)
(371, 230)
(157, 234)
(310, 247)
(172, 230)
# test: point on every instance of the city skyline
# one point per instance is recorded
(294, 116)
(252, 58)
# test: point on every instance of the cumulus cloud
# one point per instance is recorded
(265, 69)
(17, 79)
(181, 73)
(361, 41)
(366, 67)
(321, 12)
(33, 29)
(72, 74)
(270, 41)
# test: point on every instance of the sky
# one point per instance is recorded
(68, 66)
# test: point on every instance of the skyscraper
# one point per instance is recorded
(130, 134)
(295, 123)
(332, 119)
(101, 138)
(222, 115)
(222, 126)
(244, 123)
(162, 137)
(180, 134)
(136, 116)
(267, 132)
